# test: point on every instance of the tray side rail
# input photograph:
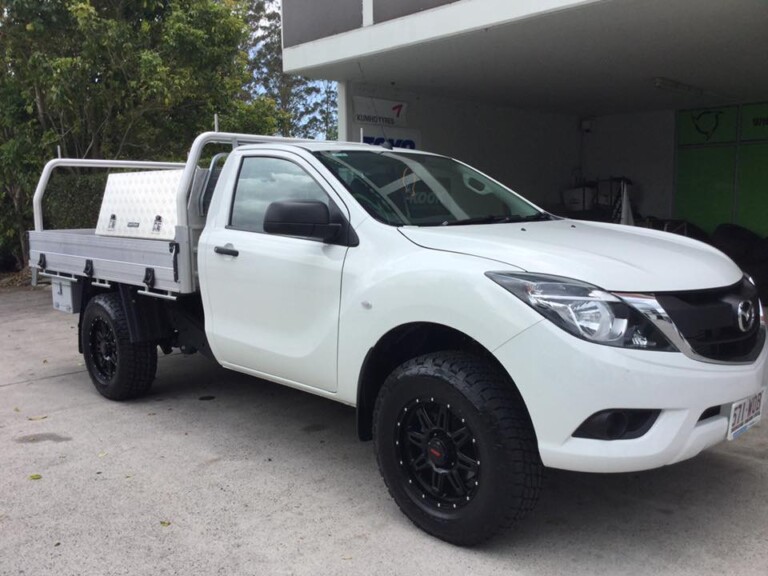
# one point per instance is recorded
(151, 265)
(37, 201)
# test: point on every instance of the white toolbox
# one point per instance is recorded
(140, 205)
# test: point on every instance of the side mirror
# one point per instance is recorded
(303, 218)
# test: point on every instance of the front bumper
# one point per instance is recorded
(564, 380)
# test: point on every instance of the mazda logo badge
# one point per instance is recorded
(745, 314)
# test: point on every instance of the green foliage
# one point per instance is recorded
(328, 117)
(134, 79)
(20, 154)
(115, 79)
(258, 116)
(73, 200)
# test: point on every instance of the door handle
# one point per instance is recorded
(225, 251)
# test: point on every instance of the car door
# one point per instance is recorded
(272, 302)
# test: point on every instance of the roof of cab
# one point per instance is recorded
(326, 146)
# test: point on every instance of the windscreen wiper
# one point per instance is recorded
(497, 219)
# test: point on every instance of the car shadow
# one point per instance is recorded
(659, 519)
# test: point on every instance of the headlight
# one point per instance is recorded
(584, 310)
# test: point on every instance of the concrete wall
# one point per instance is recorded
(533, 153)
(307, 20)
(537, 154)
(640, 146)
(384, 10)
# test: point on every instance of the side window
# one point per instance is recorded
(265, 180)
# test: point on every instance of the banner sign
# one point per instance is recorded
(707, 126)
(754, 122)
(380, 112)
(748, 122)
(397, 137)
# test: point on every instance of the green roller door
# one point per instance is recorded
(752, 197)
(722, 167)
(705, 185)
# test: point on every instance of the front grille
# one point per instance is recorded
(708, 320)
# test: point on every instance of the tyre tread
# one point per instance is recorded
(138, 360)
(503, 408)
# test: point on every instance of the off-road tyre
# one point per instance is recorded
(473, 412)
(119, 369)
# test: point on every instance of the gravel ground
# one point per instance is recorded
(218, 473)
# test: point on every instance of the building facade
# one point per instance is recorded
(562, 100)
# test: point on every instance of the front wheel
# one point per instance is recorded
(456, 447)
(119, 369)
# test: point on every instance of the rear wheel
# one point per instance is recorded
(456, 447)
(119, 369)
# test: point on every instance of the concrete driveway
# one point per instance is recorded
(218, 473)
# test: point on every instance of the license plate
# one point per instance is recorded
(745, 414)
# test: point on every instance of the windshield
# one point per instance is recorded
(424, 190)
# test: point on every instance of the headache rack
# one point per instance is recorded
(160, 268)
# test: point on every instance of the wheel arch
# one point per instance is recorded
(401, 344)
(146, 317)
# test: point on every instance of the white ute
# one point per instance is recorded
(479, 337)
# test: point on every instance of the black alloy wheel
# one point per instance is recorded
(103, 350)
(456, 447)
(439, 454)
(119, 369)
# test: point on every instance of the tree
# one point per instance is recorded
(308, 107)
(116, 79)
(328, 117)
(125, 77)
(20, 158)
